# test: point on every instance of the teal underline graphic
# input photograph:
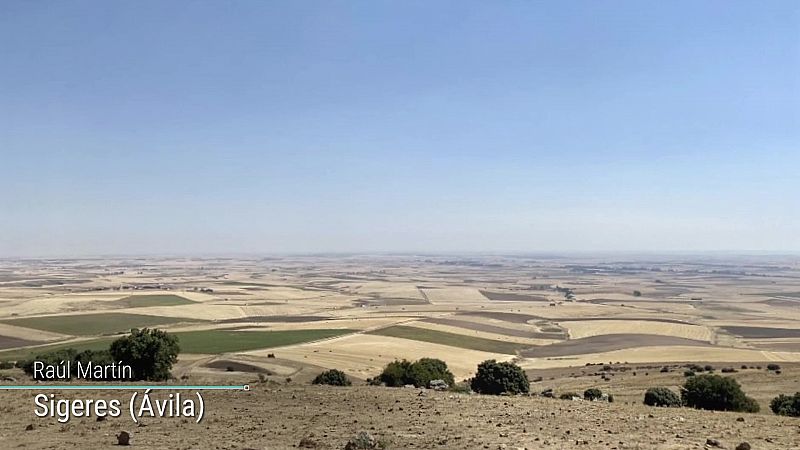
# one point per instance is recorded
(132, 387)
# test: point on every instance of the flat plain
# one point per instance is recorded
(558, 317)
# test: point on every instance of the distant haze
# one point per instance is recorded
(269, 127)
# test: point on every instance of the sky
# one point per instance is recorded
(260, 127)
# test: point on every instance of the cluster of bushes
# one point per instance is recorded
(332, 377)
(150, 353)
(713, 392)
(786, 405)
(419, 373)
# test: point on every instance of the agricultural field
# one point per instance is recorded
(570, 323)
(93, 324)
(356, 313)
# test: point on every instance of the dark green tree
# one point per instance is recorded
(718, 393)
(396, 374)
(500, 378)
(425, 370)
(661, 396)
(786, 405)
(150, 353)
(332, 377)
(592, 394)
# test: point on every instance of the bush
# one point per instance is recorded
(773, 367)
(729, 370)
(53, 358)
(419, 373)
(6, 365)
(499, 378)
(568, 395)
(71, 356)
(422, 372)
(395, 374)
(661, 396)
(332, 377)
(786, 405)
(150, 353)
(717, 393)
(688, 373)
(592, 394)
(637, 293)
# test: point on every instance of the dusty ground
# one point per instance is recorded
(277, 417)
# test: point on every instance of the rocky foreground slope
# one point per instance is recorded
(276, 417)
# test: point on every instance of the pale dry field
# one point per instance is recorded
(535, 301)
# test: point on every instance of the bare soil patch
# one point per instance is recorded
(504, 316)
(234, 366)
(762, 332)
(12, 342)
(495, 329)
(512, 297)
(606, 343)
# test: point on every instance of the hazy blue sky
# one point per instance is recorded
(197, 127)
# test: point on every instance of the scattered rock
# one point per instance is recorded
(29, 427)
(713, 443)
(740, 419)
(124, 438)
(439, 385)
(307, 442)
(362, 441)
(743, 446)
(101, 418)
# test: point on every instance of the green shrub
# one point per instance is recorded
(717, 393)
(150, 353)
(568, 395)
(773, 367)
(661, 396)
(592, 394)
(332, 377)
(4, 365)
(688, 373)
(419, 373)
(53, 358)
(395, 374)
(425, 370)
(786, 405)
(497, 378)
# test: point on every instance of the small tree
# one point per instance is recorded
(422, 372)
(150, 353)
(332, 377)
(592, 394)
(497, 378)
(661, 396)
(717, 393)
(395, 373)
(786, 405)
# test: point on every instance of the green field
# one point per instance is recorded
(93, 324)
(206, 341)
(223, 341)
(27, 353)
(451, 339)
(143, 301)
